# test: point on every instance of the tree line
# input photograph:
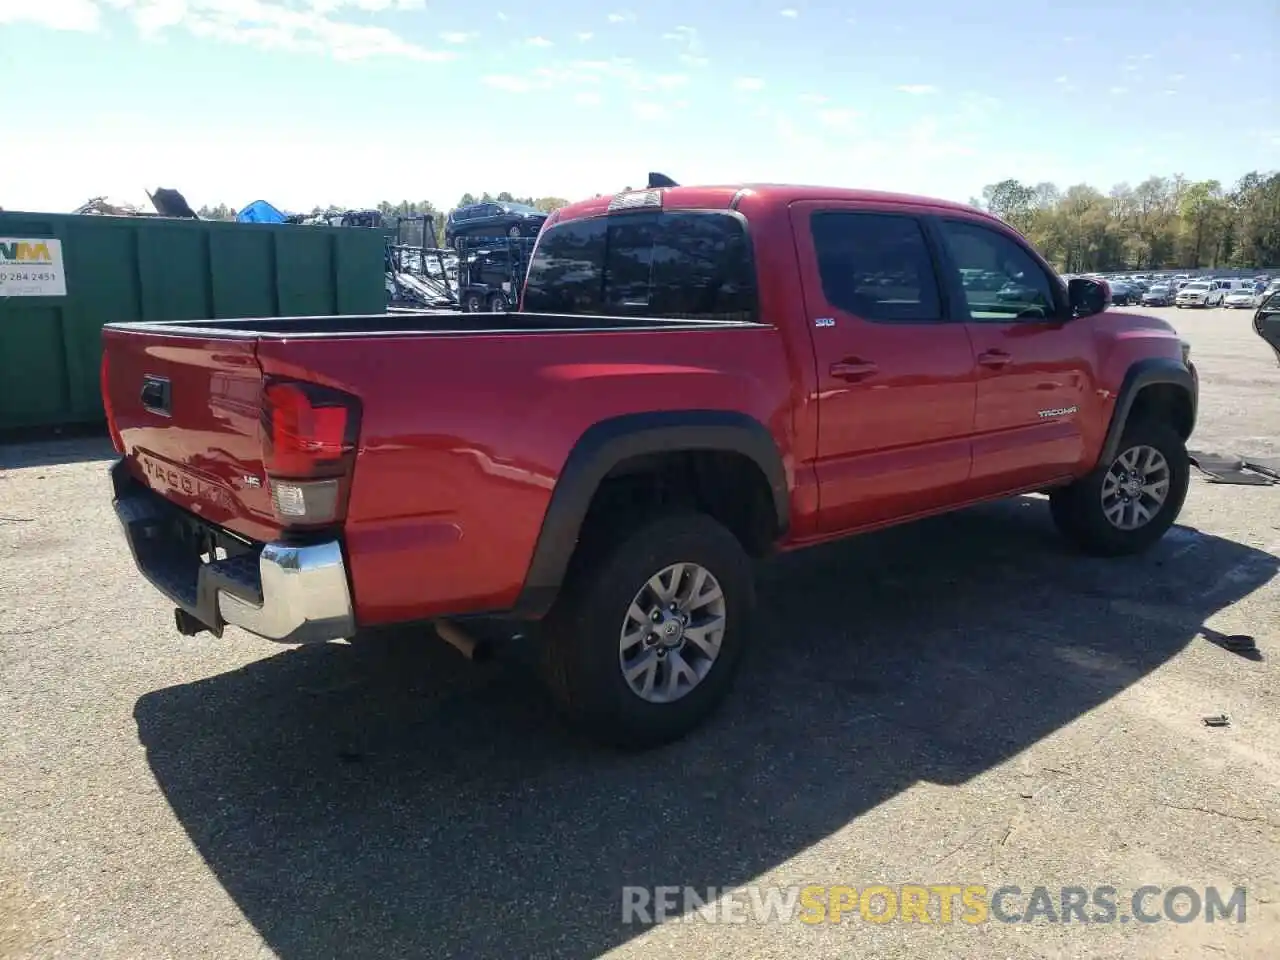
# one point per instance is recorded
(1162, 223)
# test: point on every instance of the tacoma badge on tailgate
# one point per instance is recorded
(165, 476)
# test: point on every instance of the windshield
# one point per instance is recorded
(522, 208)
(1196, 286)
(1159, 288)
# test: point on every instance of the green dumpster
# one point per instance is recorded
(63, 276)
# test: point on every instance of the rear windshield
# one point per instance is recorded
(1196, 286)
(679, 265)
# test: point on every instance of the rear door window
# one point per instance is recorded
(686, 265)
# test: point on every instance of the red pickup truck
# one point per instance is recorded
(697, 376)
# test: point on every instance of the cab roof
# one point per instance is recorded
(722, 196)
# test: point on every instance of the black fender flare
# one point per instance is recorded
(609, 442)
(1145, 373)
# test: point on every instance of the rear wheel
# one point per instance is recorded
(1127, 504)
(497, 303)
(648, 632)
(471, 303)
(514, 231)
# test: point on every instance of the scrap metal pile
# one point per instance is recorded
(167, 203)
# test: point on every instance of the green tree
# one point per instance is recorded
(1011, 201)
(1163, 222)
(219, 212)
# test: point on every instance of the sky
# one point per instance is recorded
(308, 103)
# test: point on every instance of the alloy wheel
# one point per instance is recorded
(671, 633)
(1135, 488)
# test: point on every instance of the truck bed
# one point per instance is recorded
(466, 422)
(409, 322)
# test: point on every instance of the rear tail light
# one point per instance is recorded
(104, 379)
(309, 442)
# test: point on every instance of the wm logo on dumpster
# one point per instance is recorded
(25, 251)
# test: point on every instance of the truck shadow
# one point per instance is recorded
(51, 447)
(395, 801)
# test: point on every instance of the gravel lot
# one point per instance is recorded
(960, 701)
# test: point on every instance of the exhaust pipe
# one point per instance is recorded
(473, 648)
(187, 625)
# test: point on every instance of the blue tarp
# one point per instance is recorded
(260, 212)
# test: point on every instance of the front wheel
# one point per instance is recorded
(650, 627)
(1127, 504)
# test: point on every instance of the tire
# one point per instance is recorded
(582, 636)
(514, 231)
(1078, 511)
(471, 303)
(497, 303)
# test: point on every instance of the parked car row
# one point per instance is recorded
(1182, 290)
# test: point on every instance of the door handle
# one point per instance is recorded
(853, 369)
(994, 358)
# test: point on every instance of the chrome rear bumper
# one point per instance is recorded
(303, 595)
(290, 593)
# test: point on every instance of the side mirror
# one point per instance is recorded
(1088, 296)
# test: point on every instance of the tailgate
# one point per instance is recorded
(187, 411)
